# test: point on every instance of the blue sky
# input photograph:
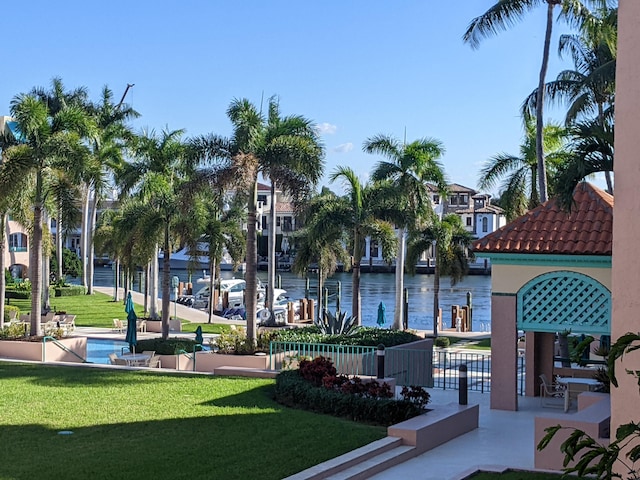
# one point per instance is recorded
(357, 68)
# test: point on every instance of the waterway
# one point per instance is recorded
(374, 288)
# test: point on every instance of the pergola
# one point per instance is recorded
(551, 272)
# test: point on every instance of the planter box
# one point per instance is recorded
(209, 361)
(45, 351)
(156, 326)
(176, 362)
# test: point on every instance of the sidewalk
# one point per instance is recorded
(502, 440)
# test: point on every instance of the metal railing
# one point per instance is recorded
(189, 355)
(408, 367)
(446, 367)
(61, 346)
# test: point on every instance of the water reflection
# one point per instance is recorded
(374, 288)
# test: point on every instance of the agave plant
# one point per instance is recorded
(335, 324)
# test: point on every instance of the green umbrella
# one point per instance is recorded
(199, 338)
(381, 310)
(132, 324)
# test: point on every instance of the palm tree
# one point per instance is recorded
(502, 15)
(518, 173)
(107, 147)
(451, 242)
(291, 157)
(359, 213)
(409, 168)
(49, 142)
(277, 147)
(157, 177)
(589, 88)
(315, 244)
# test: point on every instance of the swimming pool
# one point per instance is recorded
(98, 349)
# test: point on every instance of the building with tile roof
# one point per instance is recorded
(551, 272)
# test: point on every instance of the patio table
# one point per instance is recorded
(589, 384)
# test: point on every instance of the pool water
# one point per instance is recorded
(98, 350)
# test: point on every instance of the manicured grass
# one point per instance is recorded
(148, 425)
(516, 475)
(99, 310)
(482, 344)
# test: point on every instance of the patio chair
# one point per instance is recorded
(154, 362)
(550, 390)
(112, 358)
(118, 326)
(142, 325)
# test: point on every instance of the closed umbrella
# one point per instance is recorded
(381, 310)
(132, 324)
(199, 338)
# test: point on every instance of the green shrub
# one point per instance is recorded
(8, 309)
(363, 336)
(235, 342)
(69, 290)
(15, 330)
(292, 390)
(337, 324)
(442, 342)
(8, 278)
(170, 346)
(13, 292)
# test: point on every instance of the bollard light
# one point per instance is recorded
(462, 385)
(380, 355)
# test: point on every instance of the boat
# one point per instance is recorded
(181, 260)
(233, 287)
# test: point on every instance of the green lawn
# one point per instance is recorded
(148, 425)
(482, 344)
(99, 310)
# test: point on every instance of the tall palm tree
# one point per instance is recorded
(282, 149)
(503, 14)
(107, 148)
(518, 173)
(49, 142)
(316, 244)
(410, 167)
(156, 177)
(452, 243)
(359, 214)
(589, 88)
(291, 157)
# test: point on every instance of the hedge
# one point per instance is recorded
(170, 346)
(294, 391)
(69, 291)
(18, 294)
(364, 336)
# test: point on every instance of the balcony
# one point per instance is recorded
(17, 249)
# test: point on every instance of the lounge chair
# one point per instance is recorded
(142, 326)
(550, 390)
(118, 326)
(154, 362)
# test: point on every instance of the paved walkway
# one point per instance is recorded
(503, 439)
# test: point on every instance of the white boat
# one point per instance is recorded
(234, 287)
(180, 260)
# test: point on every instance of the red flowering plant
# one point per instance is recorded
(316, 370)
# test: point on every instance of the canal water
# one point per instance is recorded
(374, 288)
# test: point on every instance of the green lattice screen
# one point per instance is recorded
(563, 300)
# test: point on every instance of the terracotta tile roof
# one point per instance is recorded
(587, 230)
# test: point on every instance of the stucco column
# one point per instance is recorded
(626, 228)
(504, 353)
(538, 360)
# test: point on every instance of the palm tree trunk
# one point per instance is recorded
(320, 289)
(272, 249)
(436, 291)
(147, 271)
(398, 314)
(166, 292)
(83, 234)
(93, 216)
(59, 243)
(607, 173)
(212, 284)
(3, 235)
(116, 281)
(252, 265)
(355, 280)
(153, 308)
(542, 170)
(35, 259)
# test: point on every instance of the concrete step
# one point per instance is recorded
(376, 464)
(348, 460)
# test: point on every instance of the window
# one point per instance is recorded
(373, 249)
(263, 199)
(287, 224)
(464, 199)
(17, 242)
(468, 221)
(453, 200)
(264, 222)
(485, 224)
(277, 221)
(436, 199)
